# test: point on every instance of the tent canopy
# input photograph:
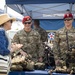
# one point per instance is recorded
(45, 10)
(38, 1)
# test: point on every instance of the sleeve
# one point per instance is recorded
(44, 36)
(40, 46)
(56, 46)
(3, 48)
(16, 38)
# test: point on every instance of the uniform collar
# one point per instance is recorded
(72, 29)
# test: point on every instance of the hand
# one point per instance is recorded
(23, 53)
(18, 59)
(57, 62)
(60, 62)
(15, 46)
(40, 59)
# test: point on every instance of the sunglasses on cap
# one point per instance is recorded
(27, 23)
(67, 19)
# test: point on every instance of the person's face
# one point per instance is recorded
(7, 25)
(68, 22)
(27, 24)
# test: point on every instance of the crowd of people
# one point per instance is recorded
(27, 46)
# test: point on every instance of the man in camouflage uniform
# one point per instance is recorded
(30, 39)
(64, 39)
(41, 31)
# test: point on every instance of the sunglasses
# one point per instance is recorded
(27, 23)
(67, 19)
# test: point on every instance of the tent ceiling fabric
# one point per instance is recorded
(38, 1)
(44, 9)
(50, 12)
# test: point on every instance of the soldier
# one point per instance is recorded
(48, 58)
(30, 39)
(64, 38)
(41, 31)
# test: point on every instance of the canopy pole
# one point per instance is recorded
(30, 13)
(26, 11)
(5, 8)
(71, 5)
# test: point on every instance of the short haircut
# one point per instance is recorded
(36, 21)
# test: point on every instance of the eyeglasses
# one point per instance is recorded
(67, 19)
(27, 23)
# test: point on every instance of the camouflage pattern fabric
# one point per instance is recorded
(31, 43)
(60, 45)
(21, 63)
(24, 64)
(42, 33)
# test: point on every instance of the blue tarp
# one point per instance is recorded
(38, 1)
(53, 24)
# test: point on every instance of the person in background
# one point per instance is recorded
(30, 39)
(64, 43)
(40, 30)
(6, 48)
(48, 58)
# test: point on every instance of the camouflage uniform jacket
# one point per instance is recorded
(42, 33)
(60, 44)
(31, 42)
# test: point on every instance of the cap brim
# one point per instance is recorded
(13, 19)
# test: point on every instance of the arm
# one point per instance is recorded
(17, 40)
(3, 44)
